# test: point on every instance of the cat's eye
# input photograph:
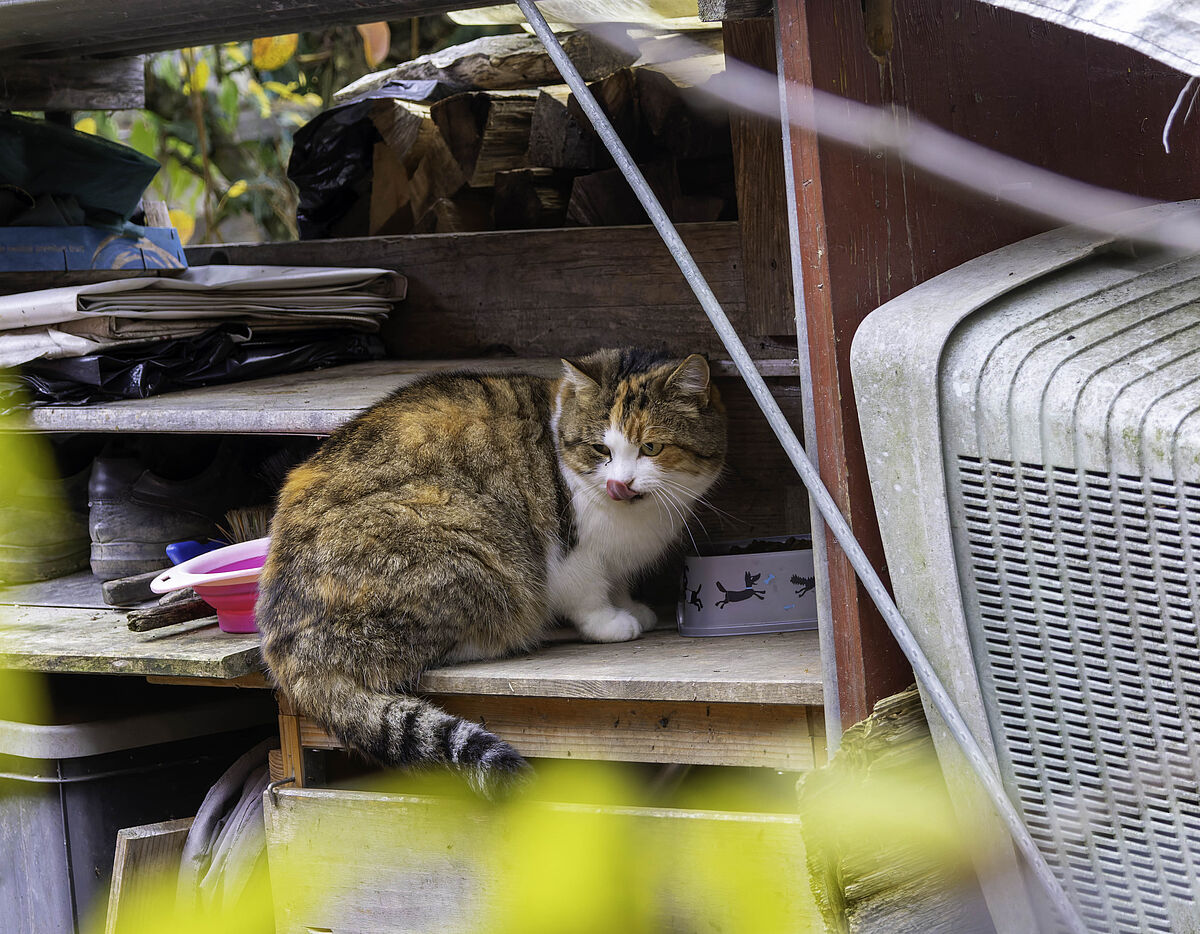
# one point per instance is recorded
(651, 448)
(601, 449)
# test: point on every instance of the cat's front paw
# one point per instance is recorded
(646, 617)
(609, 626)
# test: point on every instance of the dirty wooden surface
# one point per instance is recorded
(363, 862)
(783, 668)
(763, 735)
(77, 633)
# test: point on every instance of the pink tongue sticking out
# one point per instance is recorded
(618, 490)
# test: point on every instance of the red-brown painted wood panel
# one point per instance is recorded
(871, 227)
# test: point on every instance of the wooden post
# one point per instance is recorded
(871, 227)
(290, 747)
(758, 176)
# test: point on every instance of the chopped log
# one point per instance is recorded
(529, 198)
(487, 131)
(73, 84)
(391, 194)
(866, 882)
(617, 97)
(399, 123)
(676, 121)
(558, 139)
(468, 212)
(430, 170)
(604, 199)
(716, 11)
(499, 62)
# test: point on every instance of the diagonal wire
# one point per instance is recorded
(808, 473)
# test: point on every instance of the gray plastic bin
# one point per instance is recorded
(66, 788)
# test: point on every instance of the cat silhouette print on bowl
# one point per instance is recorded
(225, 579)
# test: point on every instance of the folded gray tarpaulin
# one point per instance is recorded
(83, 319)
(227, 840)
(1166, 30)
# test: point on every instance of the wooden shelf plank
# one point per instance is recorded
(311, 403)
(783, 668)
(762, 735)
(57, 28)
(661, 666)
(69, 640)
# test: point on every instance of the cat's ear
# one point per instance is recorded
(579, 377)
(691, 378)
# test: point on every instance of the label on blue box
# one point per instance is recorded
(62, 249)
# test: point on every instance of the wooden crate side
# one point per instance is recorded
(144, 867)
(357, 862)
(765, 735)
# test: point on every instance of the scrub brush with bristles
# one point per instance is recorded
(246, 524)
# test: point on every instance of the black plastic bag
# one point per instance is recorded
(222, 355)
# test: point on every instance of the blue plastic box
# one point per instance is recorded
(60, 249)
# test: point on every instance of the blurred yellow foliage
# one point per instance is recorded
(183, 222)
(274, 51)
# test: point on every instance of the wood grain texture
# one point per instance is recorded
(291, 746)
(717, 11)
(361, 862)
(900, 888)
(761, 193)
(313, 402)
(73, 84)
(82, 641)
(783, 668)
(144, 867)
(767, 736)
(538, 292)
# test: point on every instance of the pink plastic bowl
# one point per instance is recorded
(226, 579)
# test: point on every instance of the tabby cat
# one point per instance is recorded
(457, 518)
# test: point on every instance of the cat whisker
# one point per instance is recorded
(703, 501)
(676, 507)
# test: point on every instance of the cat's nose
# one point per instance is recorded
(619, 491)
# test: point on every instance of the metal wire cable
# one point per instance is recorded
(809, 475)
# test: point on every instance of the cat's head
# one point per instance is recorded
(637, 426)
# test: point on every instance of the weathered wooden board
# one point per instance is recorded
(783, 668)
(502, 62)
(144, 869)
(662, 665)
(80, 590)
(57, 639)
(539, 292)
(309, 403)
(73, 84)
(360, 863)
(764, 735)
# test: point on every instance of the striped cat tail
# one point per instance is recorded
(401, 731)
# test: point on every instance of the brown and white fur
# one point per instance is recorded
(457, 519)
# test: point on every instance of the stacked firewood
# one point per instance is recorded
(513, 157)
